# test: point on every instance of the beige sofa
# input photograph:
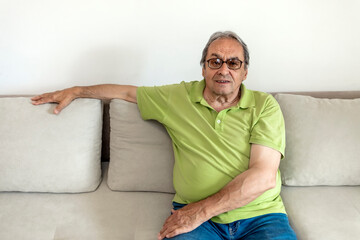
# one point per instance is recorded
(54, 185)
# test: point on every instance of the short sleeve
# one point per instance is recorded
(269, 127)
(152, 102)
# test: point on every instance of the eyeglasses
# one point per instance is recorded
(232, 63)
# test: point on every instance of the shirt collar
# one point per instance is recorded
(246, 100)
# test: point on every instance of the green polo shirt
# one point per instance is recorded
(211, 148)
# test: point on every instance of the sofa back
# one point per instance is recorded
(105, 151)
(322, 139)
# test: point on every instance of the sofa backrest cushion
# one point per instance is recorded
(44, 152)
(322, 141)
(141, 155)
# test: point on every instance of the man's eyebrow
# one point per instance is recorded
(218, 56)
(215, 55)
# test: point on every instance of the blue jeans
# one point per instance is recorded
(274, 226)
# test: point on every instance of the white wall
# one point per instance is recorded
(303, 45)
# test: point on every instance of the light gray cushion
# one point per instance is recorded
(141, 155)
(43, 152)
(99, 215)
(329, 213)
(323, 139)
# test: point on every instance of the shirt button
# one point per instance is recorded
(218, 121)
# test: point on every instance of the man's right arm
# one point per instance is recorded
(105, 91)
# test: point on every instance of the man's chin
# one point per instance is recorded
(223, 92)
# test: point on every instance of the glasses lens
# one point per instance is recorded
(233, 63)
(215, 63)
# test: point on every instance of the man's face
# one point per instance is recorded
(224, 81)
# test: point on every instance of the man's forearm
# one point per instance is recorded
(107, 91)
(242, 190)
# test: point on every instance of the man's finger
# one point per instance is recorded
(38, 102)
(165, 229)
(36, 98)
(61, 106)
(173, 231)
(165, 232)
(41, 99)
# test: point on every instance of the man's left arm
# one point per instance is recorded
(246, 187)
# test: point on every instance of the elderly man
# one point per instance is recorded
(227, 141)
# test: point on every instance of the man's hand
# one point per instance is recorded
(183, 220)
(63, 98)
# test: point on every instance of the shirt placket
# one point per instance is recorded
(219, 120)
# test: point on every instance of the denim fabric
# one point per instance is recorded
(274, 226)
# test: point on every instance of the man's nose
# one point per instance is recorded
(224, 70)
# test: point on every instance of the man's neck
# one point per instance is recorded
(221, 102)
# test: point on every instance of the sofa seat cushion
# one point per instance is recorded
(330, 213)
(44, 152)
(99, 215)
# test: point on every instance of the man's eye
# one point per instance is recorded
(216, 62)
(234, 63)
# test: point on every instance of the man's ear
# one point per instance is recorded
(245, 74)
(203, 71)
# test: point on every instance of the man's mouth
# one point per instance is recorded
(222, 81)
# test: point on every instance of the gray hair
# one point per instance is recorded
(226, 34)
